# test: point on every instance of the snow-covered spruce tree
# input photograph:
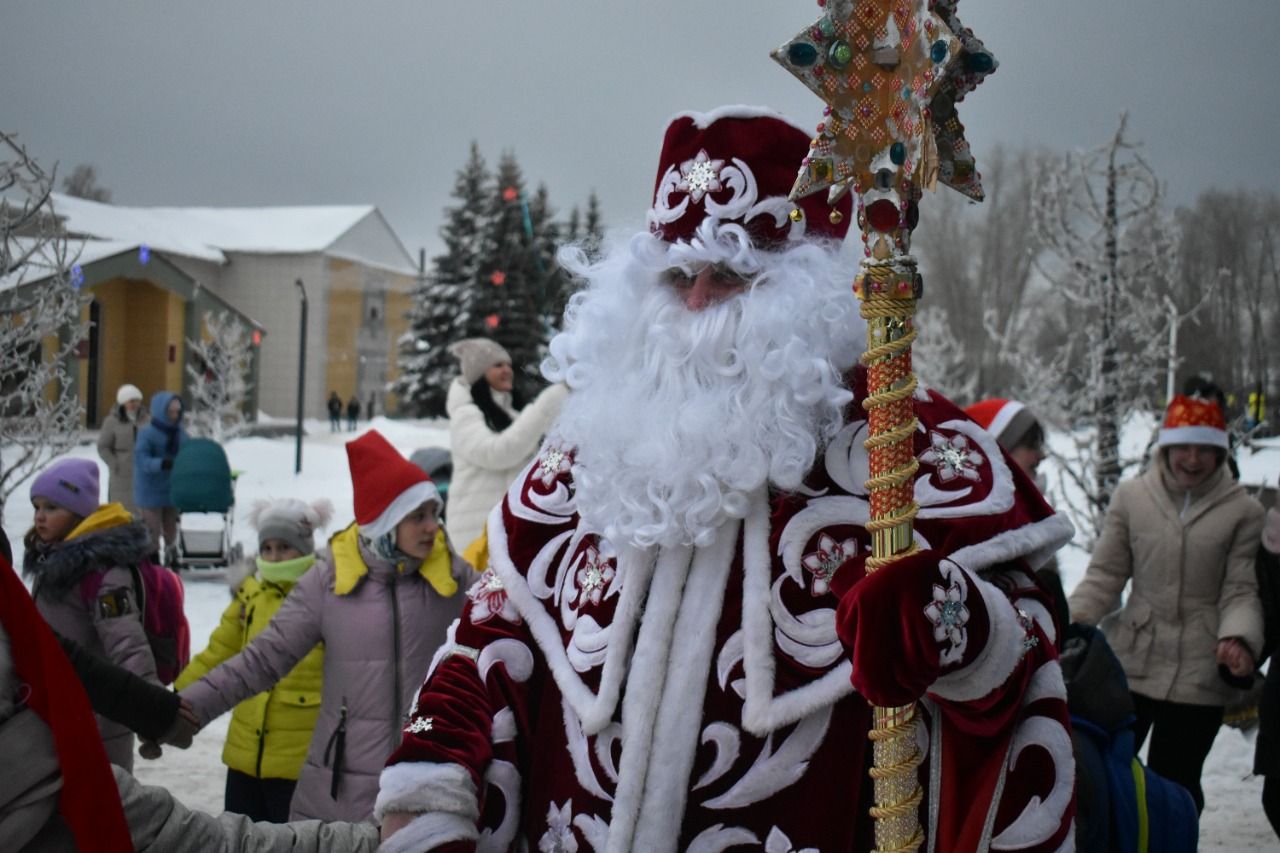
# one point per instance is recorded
(219, 370)
(553, 286)
(593, 228)
(442, 301)
(504, 295)
(1108, 251)
(40, 323)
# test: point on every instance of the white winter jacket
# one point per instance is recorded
(486, 462)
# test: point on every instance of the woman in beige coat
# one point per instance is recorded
(115, 444)
(1186, 534)
(492, 437)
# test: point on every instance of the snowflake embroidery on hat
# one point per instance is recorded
(822, 563)
(489, 599)
(953, 456)
(553, 462)
(948, 613)
(420, 725)
(592, 579)
(559, 836)
(700, 176)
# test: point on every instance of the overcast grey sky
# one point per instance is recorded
(244, 102)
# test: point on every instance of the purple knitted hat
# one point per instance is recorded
(71, 484)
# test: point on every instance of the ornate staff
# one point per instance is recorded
(890, 72)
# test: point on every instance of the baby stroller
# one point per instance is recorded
(202, 487)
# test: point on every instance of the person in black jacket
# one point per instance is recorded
(1266, 757)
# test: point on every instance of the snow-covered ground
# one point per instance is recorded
(1232, 820)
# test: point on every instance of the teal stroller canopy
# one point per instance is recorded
(201, 478)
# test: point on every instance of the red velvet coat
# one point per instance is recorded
(610, 698)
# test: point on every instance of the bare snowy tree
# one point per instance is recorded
(83, 183)
(977, 259)
(1109, 254)
(219, 369)
(40, 323)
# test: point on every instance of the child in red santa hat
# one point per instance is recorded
(380, 598)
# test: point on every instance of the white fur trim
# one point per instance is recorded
(419, 786)
(996, 661)
(1004, 417)
(762, 712)
(649, 669)
(673, 752)
(428, 832)
(1211, 436)
(595, 710)
(1035, 543)
(405, 503)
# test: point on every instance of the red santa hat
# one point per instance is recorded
(737, 165)
(1190, 420)
(387, 486)
(1008, 420)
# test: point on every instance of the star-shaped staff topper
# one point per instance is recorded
(891, 72)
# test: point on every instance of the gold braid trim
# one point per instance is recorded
(888, 296)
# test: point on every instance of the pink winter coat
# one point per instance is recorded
(380, 632)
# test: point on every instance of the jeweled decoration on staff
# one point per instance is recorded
(891, 73)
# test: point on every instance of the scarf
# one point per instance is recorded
(285, 571)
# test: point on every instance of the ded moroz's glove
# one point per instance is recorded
(911, 623)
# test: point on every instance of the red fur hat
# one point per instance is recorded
(737, 165)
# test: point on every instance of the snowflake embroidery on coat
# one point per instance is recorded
(489, 599)
(953, 457)
(420, 725)
(700, 176)
(1029, 638)
(592, 579)
(948, 613)
(553, 462)
(559, 836)
(822, 563)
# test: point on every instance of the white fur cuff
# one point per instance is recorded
(416, 787)
(430, 831)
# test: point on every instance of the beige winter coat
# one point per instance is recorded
(115, 446)
(1191, 558)
(486, 462)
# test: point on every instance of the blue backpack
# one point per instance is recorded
(1121, 805)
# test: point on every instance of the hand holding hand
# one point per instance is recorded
(184, 727)
(1235, 656)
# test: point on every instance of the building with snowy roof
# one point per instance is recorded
(153, 273)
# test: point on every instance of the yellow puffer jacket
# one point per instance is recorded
(270, 732)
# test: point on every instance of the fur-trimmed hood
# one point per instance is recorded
(59, 567)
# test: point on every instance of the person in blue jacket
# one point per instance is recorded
(153, 456)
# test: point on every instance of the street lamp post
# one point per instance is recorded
(302, 374)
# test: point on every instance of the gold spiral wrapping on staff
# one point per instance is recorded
(888, 304)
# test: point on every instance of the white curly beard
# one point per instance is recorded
(678, 416)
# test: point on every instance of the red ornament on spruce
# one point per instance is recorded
(498, 278)
(492, 321)
(510, 194)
